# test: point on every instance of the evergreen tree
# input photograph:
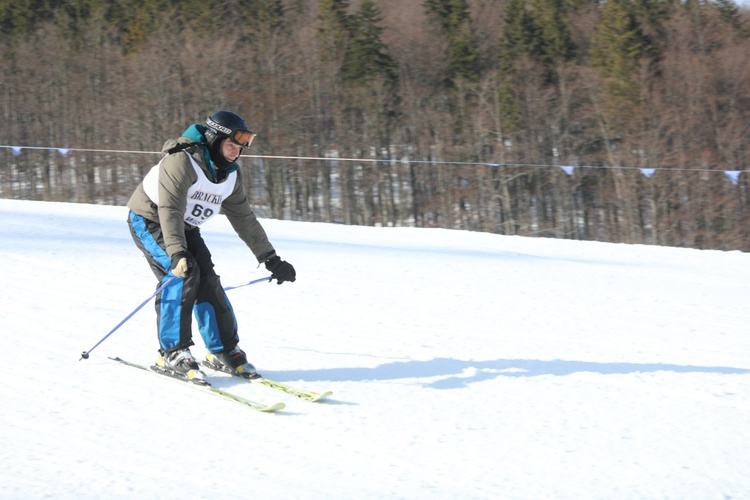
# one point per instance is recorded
(555, 43)
(261, 15)
(521, 35)
(367, 56)
(463, 57)
(539, 33)
(450, 15)
(204, 16)
(453, 20)
(618, 44)
(730, 15)
(617, 51)
(18, 17)
(651, 14)
(334, 28)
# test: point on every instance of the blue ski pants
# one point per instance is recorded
(200, 294)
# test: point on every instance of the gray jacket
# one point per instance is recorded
(176, 175)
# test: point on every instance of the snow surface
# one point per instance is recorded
(463, 365)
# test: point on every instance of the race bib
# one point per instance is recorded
(204, 198)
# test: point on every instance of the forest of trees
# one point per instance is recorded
(470, 108)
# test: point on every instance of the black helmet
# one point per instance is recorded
(226, 124)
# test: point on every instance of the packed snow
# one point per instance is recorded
(462, 365)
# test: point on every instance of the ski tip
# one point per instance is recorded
(320, 397)
(273, 408)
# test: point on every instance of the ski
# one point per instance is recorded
(205, 387)
(305, 394)
(297, 392)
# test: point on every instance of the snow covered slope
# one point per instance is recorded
(463, 365)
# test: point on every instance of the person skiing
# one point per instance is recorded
(198, 177)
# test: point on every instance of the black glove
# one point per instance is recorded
(182, 262)
(281, 270)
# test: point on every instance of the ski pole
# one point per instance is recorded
(259, 280)
(85, 354)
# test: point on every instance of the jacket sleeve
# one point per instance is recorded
(237, 209)
(176, 175)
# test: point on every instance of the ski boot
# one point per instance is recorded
(180, 363)
(234, 362)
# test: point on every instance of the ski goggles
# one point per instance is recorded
(242, 138)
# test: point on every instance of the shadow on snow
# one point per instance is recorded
(459, 373)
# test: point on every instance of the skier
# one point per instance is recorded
(198, 177)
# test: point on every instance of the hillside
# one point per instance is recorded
(463, 365)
